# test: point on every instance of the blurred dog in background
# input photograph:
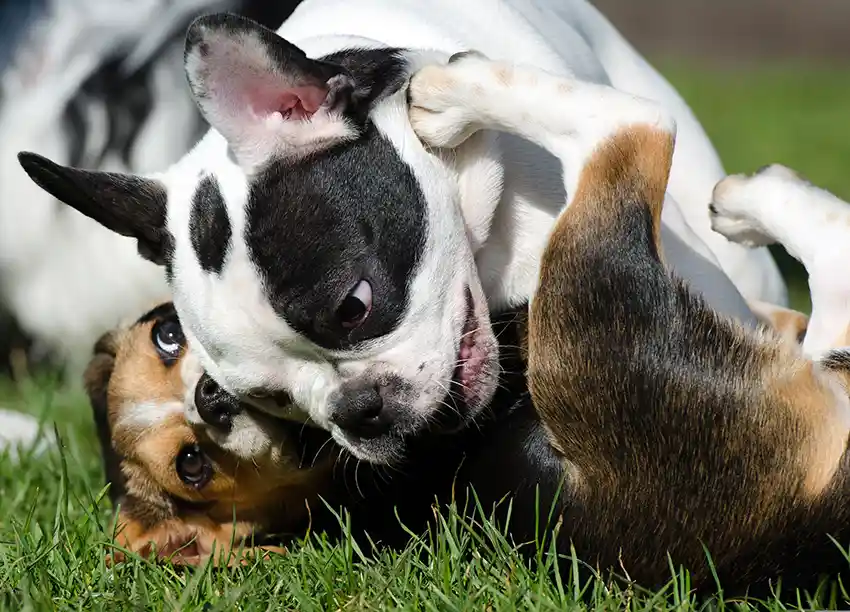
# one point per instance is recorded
(100, 84)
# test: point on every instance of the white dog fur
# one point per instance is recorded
(508, 202)
(65, 278)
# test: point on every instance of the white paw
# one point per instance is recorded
(739, 204)
(443, 99)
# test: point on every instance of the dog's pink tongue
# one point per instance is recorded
(472, 357)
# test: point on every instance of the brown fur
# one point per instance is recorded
(159, 512)
(678, 430)
(189, 540)
(789, 324)
(678, 426)
(139, 376)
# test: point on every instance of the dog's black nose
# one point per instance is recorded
(362, 412)
(215, 405)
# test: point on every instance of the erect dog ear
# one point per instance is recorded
(128, 205)
(262, 93)
(96, 379)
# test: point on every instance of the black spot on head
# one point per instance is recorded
(165, 310)
(318, 226)
(377, 73)
(209, 226)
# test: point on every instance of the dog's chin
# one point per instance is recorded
(388, 449)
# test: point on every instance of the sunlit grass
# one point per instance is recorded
(54, 521)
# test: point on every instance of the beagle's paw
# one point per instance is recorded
(777, 205)
(445, 100)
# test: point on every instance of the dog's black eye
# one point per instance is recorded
(356, 306)
(168, 338)
(193, 466)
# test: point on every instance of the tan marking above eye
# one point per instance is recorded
(139, 375)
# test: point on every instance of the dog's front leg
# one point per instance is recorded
(601, 278)
(566, 116)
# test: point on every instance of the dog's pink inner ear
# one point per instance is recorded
(245, 82)
(293, 103)
(259, 92)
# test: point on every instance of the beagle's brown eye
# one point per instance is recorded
(168, 339)
(193, 466)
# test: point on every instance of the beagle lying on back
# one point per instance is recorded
(667, 428)
(678, 430)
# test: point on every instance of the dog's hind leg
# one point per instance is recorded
(776, 205)
(680, 431)
(601, 271)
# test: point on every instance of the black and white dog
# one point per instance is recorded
(326, 264)
(98, 84)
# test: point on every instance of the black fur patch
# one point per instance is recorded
(126, 204)
(165, 310)
(127, 108)
(837, 360)
(317, 226)
(209, 226)
(378, 73)
(129, 97)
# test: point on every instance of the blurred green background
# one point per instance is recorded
(791, 112)
(767, 78)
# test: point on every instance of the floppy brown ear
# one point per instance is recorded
(129, 205)
(96, 380)
(187, 541)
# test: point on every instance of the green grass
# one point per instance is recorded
(54, 524)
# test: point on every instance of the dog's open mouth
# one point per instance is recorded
(472, 358)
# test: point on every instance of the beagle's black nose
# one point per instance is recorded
(215, 405)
